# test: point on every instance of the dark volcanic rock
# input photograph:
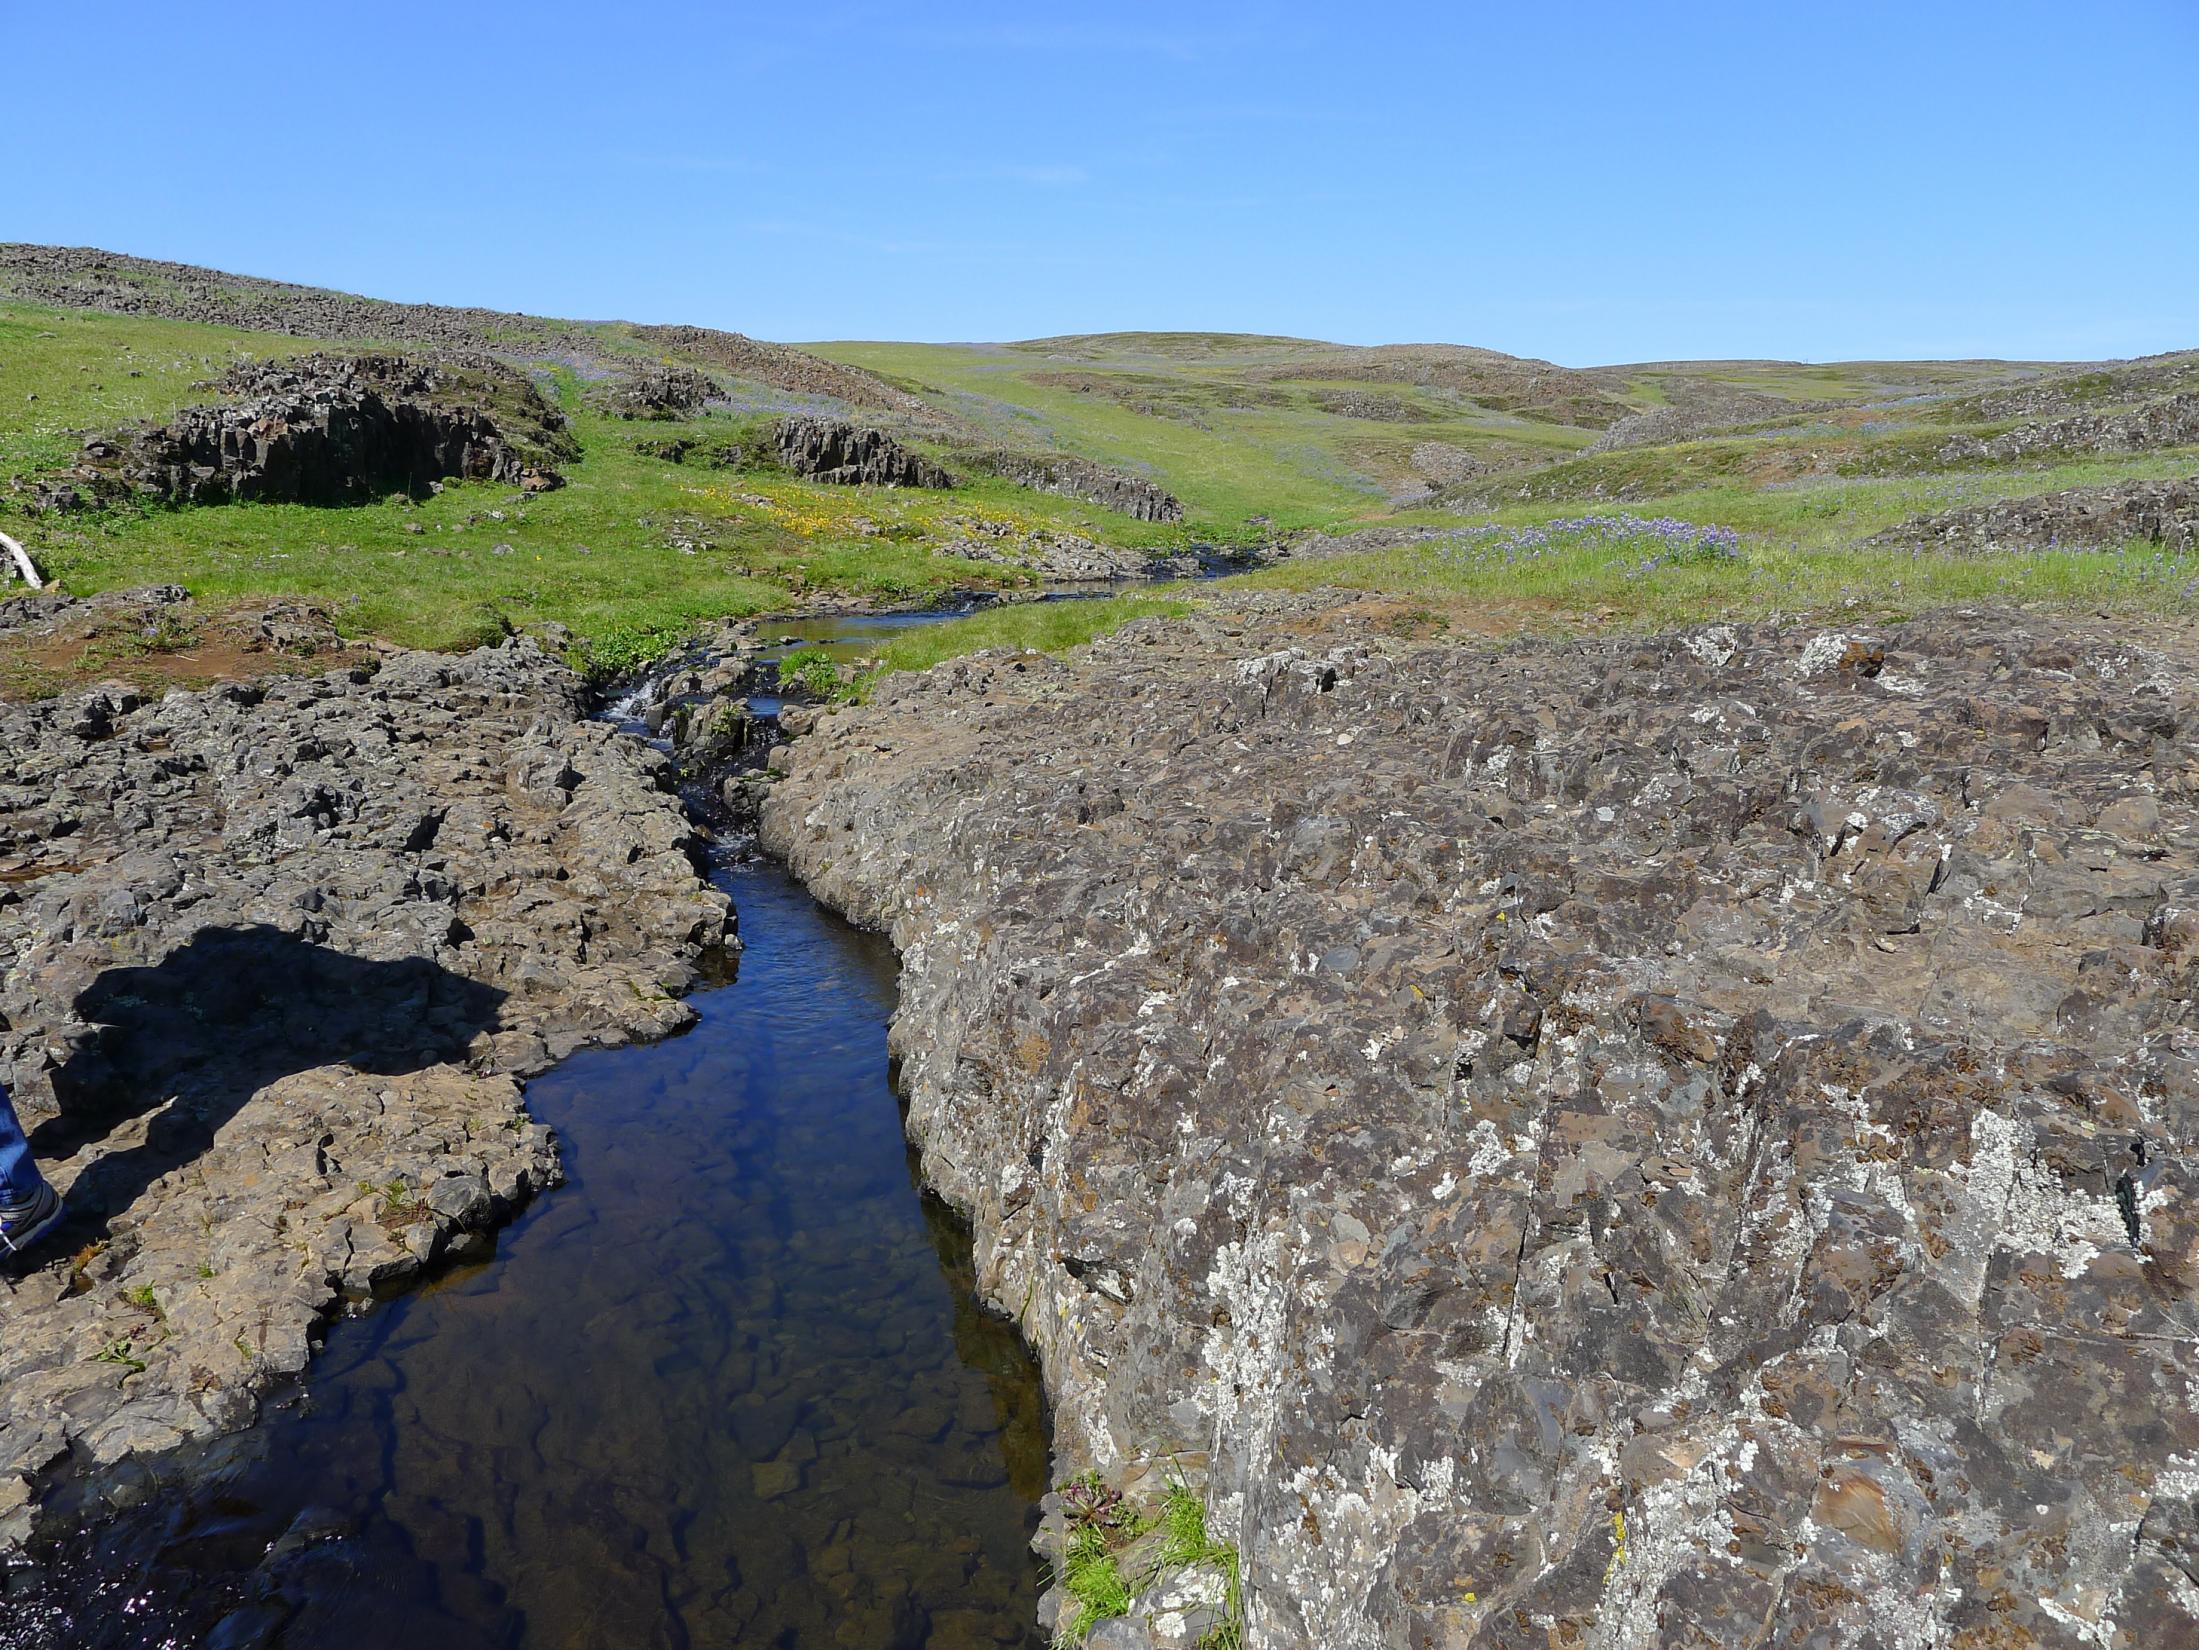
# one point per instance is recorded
(271, 958)
(659, 392)
(2106, 517)
(1610, 1143)
(1073, 477)
(2172, 421)
(327, 429)
(824, 449)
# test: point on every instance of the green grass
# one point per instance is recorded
(63, 371)
(1093, 1580)
(1044, 627)
(633, 553)
(1826, 511)
(1776, 574)
(636, 552)
(1092, 1576)
(1248, 455)
(1186, 1543)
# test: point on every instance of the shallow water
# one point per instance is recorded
(730, 1385)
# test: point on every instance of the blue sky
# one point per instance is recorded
(1587, 182)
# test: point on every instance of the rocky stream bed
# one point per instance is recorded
(1613, 1142)
(273, 957)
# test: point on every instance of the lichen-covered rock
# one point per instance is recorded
(2106, 517)
(1608, 1143)
(271, 959)
(2172, 421)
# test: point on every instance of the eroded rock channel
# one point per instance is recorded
(734, 1386)
(1616, 1142)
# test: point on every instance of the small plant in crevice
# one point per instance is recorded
(1103, 1528)
(399, 1204)
(1094, 1582)
(147, 1301)
(120, 1352)
(1185, 1542)
(1090, 1502)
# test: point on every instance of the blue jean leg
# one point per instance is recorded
(19, 1176)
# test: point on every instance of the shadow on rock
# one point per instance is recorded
(196, 1035)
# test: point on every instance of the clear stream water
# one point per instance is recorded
(730, 1385)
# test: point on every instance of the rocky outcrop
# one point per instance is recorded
(1605, 1143)
(825, 449)
(794, 371)
(661, 392)
(1061, 557)
(2081, 518)
(272, 957)
(2172, 421)
(1701, 407)
(1384, 409)
(2068, 392)
(82, 277)
(1072, 477)
(1442, 464)
(328, 429)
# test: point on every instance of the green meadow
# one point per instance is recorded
(1261, 438)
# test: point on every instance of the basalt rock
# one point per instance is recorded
(1072, 477)
(665, 392)
(1689, 1140)
(325, 429)
(1383, 409)
(2172, 421)
(272, 959)
(2107, 383)
(2094, 518)
(824, 449)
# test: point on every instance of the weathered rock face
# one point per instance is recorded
(2172, 421)
(324, 429)
(1072, 477)
(1610, 1143)
(663, 392)
(2158, 512)
(825, 449)
(271, 958)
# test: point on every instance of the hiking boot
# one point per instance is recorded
(23, 1224)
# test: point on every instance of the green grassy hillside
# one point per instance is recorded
(1264, 440)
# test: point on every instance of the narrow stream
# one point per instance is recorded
(730, 1385)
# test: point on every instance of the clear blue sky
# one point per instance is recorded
(1589, 182)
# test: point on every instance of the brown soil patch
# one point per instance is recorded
(157, 643)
